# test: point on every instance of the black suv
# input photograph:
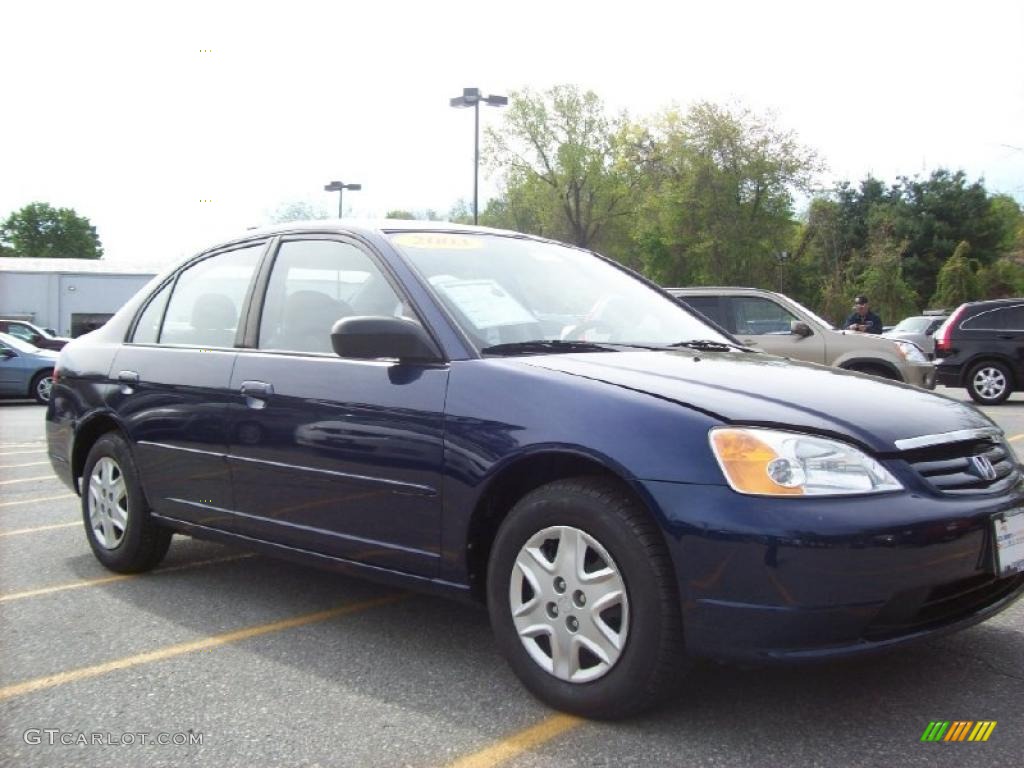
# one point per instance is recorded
(981, 347)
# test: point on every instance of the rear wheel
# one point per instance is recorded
(122, 534)
(42, 385)
(989, 383)
(583, 600)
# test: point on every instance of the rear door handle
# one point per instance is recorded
(257, 389)
(128, 377)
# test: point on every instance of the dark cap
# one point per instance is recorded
(861, 300)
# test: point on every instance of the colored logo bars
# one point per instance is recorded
(958, 730)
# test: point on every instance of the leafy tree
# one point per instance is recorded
(557, 151)
(957, 281)
(882, 279)
(721, 207)
(41, 231)
(1002, 280)
(298, 210)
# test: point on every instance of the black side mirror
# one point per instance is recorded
(370, 338)
(50, 331)
(6, 353)
(800, 328)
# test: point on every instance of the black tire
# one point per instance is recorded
(876, 370)
(140, 543)
(651, 660)
(989, 383)
(41, 386)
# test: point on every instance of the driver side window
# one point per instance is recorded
(315, 283)
(754, 316)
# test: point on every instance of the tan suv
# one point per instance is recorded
(780, 326)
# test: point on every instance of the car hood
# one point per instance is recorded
(767, 390)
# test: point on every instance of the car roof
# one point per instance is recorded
(367, 227)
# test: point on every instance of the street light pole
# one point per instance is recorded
(471, 98)
(337, 186)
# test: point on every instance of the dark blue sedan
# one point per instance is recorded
(526, 424)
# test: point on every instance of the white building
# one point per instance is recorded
(69, 296)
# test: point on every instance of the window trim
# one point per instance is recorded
(254, 317)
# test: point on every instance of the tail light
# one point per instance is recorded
(944, 336)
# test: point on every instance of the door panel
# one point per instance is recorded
(341, 457)
(173, 399)
(176, 416)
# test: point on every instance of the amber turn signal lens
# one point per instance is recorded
(745, 460)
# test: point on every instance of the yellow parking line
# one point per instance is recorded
(170, 651)
(37, 529)
(28, 479)
(119, 577)
(37, 498)
(19, 466)
(519, 742)
(1015, 438)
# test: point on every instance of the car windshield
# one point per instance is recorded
(505, 290)
(15, 343)
(913, 325)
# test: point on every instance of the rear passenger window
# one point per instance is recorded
(207, 299)
(314, 284)
(147, 331)
(708, 306)
(1004, 319)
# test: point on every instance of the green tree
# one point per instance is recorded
(41, 231)
(557, 151)
(1002, 280)
(882, 279)
(957, 281)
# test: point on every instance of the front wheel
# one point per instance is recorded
(122, 534)
(989, 383)
(583, 601)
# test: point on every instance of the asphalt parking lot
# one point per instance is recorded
(268, 663)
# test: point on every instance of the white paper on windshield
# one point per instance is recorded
(485, 303)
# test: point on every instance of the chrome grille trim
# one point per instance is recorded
(927, 441)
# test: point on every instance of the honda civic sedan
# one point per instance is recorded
(529, 425)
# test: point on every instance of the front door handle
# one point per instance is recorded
(128, 377)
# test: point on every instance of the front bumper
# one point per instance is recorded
(800, 579)
(950, 375)
(921, 375)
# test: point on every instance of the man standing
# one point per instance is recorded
(863, 319)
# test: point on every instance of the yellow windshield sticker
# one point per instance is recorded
(439, 241)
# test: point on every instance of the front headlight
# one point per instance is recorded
(768, 462)
(911, 352)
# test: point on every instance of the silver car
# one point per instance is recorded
(920, 330)
(25, 371)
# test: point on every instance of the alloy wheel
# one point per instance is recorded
(989, 382)
(43, 388)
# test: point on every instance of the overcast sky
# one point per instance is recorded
(113, 110)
